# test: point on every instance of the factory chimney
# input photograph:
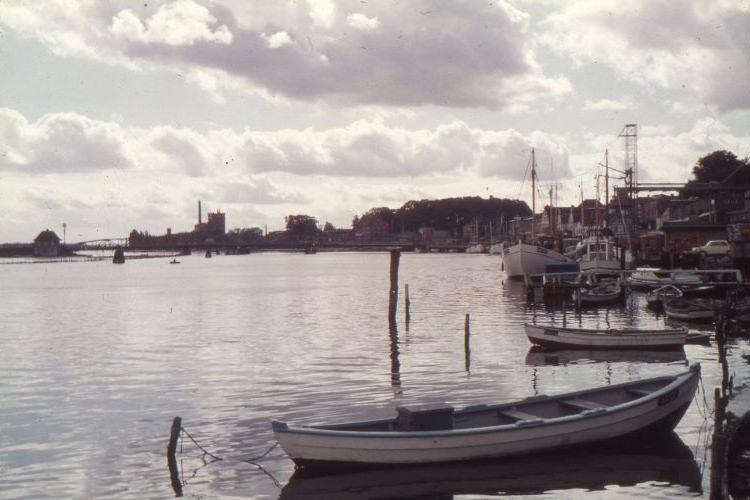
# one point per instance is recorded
(199, 212)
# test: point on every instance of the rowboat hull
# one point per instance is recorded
(522, 258)
(700, 310)
(523, 427)
(576, 338)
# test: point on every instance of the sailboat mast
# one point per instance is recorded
(533, 196)
(606, 188)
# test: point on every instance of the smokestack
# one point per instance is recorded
(200, 219)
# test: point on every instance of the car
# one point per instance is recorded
(714, 247)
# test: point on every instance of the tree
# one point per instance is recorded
(301, 226)
(328, 227)
(719, 166)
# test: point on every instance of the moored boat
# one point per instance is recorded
(523, 258)
(684, 309)
(437, 434)
(655, 298)
(602, 292)
(651, 277)
(580, 338)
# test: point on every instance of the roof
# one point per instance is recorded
(46, 236)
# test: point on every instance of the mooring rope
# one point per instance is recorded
(252, 460)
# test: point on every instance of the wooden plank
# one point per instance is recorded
(583, 404)
(518, 415)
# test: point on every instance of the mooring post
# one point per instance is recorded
(467, 342)
(393, 296)
(173, 436)
(406, 303)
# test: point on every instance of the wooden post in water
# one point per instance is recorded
(174, 473)
(406, 304)
(467, 342)
(393, 295)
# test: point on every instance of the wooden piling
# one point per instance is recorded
(467, 342)
(173, 436)
(406, 304)
(393, 295)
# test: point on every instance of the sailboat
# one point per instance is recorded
(528, 258)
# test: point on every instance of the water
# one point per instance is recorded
(96, 359)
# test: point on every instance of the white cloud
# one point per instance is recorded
(360, 21)
(700, 46)
(621, 104)
(182, 22)
(403, 54)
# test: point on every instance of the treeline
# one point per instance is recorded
(450, 214)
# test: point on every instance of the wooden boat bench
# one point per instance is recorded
(638, 392)
(583, 404)
(518, 414)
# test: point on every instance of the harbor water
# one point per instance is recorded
(97, 359)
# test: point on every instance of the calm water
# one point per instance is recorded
(96, 359)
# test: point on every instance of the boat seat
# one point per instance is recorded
(518, 415)
(639, 392)
(583, 404)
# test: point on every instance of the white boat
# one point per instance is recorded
(581, 338)
(599, 255)
(522, 259)
(651, 277)
(440, 434)
(591, 468)
(602, 292)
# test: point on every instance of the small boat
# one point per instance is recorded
(591, 468)
(602, 292)
(174, 261)
(599, 254)
(655, 298)
(689, 309)
(438, 433)
(651, 277)
(611, 338)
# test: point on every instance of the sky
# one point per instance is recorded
(120, 115)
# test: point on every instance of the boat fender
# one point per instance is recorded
(530, 423)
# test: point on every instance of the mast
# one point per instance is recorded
(606, 188)
(533, 196)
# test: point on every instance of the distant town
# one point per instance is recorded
(713, 205)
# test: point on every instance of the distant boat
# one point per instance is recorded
(522, 258)
(599, 255)
(602, 292)
(612, 338)
(435, 434)
(208, 253)
(655, 298)
(174, 261)
(651, 277)
(689, 309)
(476, 248)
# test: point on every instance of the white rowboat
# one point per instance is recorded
(440, 434)
(580, 338)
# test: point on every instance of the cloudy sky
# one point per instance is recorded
(117, 115)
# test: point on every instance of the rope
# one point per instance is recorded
(206, 452)
(199, 446)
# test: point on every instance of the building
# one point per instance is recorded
(47, 244)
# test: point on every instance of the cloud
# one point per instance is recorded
(342, 53)
(61, 142)
(699, 46)
(622, 104)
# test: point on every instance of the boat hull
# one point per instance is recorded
(329, 446)
(571, 338)
(521, 259)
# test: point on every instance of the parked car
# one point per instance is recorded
(714, 247)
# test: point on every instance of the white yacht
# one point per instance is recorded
(599, 255)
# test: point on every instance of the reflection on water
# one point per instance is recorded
(663, 462)
(538, 356)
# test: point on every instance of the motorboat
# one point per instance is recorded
(610, 338)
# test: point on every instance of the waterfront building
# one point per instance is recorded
(47, 244)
